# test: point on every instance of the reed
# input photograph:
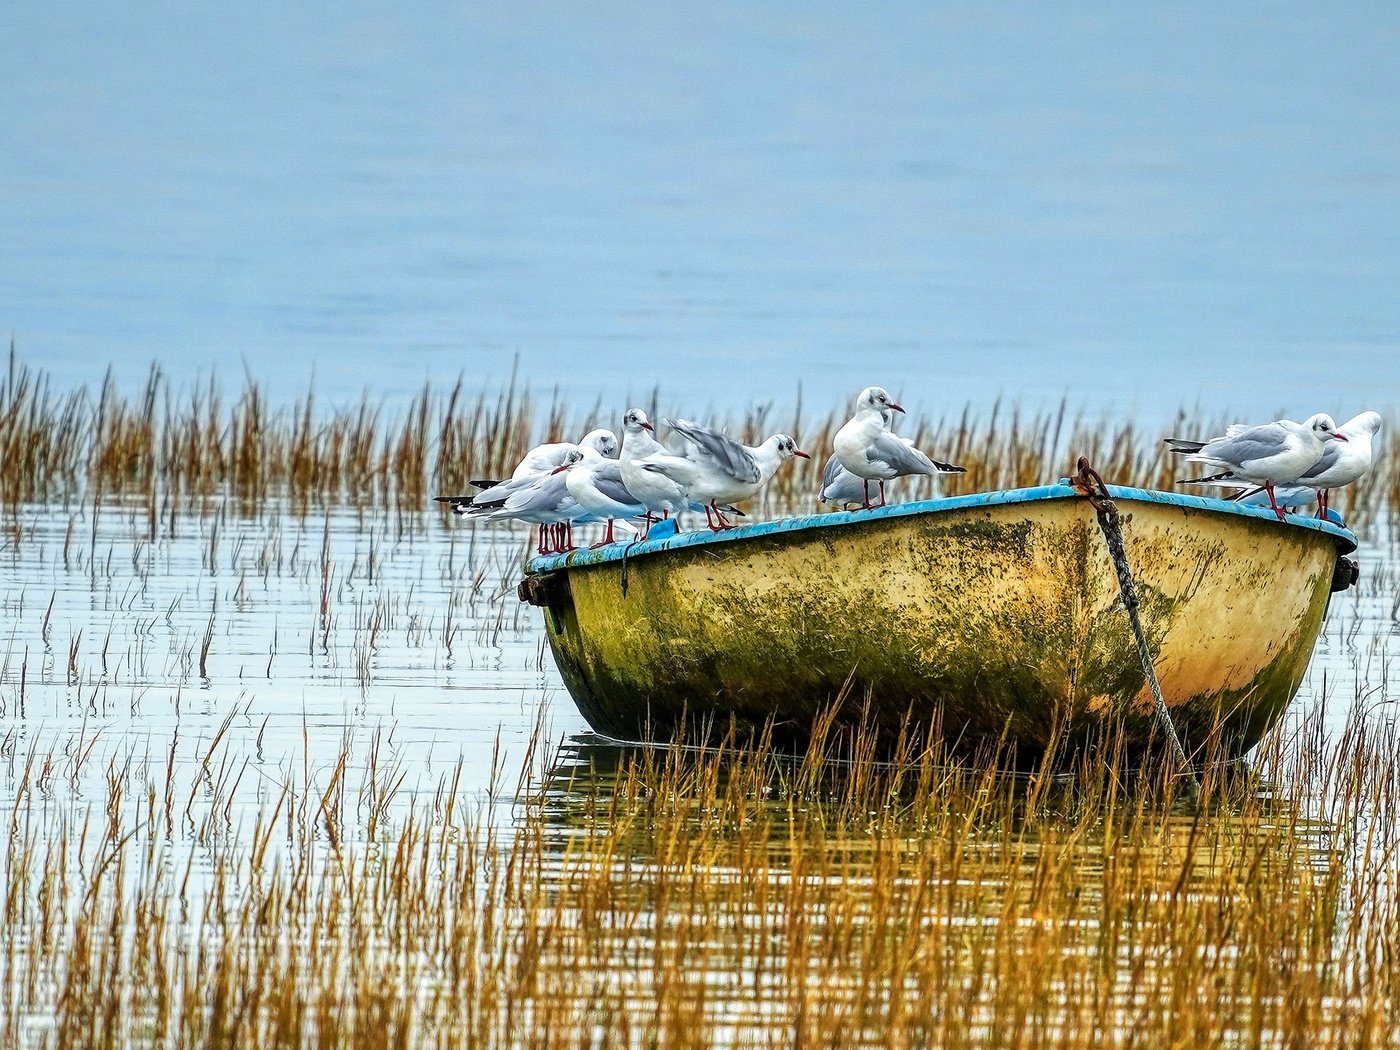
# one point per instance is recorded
(172, 448)
(737, 896)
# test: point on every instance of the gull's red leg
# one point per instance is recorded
(1274, 503)
(882, 492)
(865, 503)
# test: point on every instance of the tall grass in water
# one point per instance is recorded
(166, 444)
(673, 898)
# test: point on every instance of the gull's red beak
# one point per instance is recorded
(895, 407)
(1340, 436)
(648, 426)
(560, 467)
(799, 452)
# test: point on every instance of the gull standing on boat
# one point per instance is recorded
(656, 476)
(728, 471)
(543, 458)
(1269, 455)
(596, 484)
(549, 504)
(867, 448)
(1341, 464)
(839, 485)
(539, 461)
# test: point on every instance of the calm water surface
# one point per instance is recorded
(1144, 208)
(400, 638)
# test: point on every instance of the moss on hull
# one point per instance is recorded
(993, 620)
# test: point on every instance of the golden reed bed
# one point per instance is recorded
(674, 898)
(174, 443)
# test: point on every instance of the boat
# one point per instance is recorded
(988, 617)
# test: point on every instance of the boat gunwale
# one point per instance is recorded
(626, 550)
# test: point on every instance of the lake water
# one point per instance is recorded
(1142, 209)
(1136, 210)
(366, 632)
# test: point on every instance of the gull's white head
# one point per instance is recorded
(574, 455)
(635, 421)
(787, 447)
(1324, 427)
(876, 399)
(604, 442)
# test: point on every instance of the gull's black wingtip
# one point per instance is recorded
(457, 503)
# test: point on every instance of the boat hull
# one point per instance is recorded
(997, 621)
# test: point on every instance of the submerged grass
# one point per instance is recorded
(681, 898)
(166, 445)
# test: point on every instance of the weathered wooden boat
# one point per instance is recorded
(993, 616)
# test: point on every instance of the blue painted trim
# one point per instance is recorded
(1346, 541)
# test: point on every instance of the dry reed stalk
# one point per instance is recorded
(166, 447)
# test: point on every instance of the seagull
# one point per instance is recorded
(730, 472)
(548, 503)
(867, 448)
(1269, 454)
(538, 461)
(544, 458)
(1340, 465)
(595, 482)
(654, 475)
(541, 499)
(839, 485)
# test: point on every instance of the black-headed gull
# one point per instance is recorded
(730, 472)
(547, 502)
(839, 485)
(866, 447)
(543, 458)
(1269, 455)
(596, 483)
(655, 475)
(539, 461)
(1342, 463)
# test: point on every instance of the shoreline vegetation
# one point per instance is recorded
(177, 446)
(669, 897)
(170, 879)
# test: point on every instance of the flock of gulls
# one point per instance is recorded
(642, 480)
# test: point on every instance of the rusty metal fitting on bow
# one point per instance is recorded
(1089, 483)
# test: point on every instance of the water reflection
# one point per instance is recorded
(900, 911)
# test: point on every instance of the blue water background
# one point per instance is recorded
(1137, 207)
